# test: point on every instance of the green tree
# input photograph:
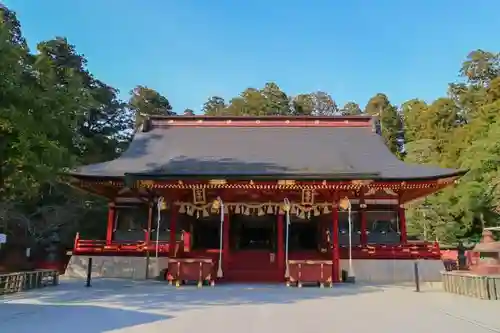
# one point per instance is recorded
(277, 102)
(147, 101)
(255, 103)
(461, 131)
(389, 120)
(302, 105)
(214, 106)
(481, 67)
(351, 109)
(53, 114)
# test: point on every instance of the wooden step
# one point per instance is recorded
(253, 275)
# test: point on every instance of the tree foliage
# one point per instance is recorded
(459, 131)
(55, 114)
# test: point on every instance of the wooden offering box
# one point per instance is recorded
(186, 270)
(310, 271)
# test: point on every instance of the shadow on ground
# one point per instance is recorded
(152, 295)
(112, 304)
(27, 318)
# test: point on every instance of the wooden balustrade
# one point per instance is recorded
(393, 251)
(84, 246)
(472, 285)
(375, 251)
(21, 281)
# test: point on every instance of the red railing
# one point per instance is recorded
(421, 250)
(86, 246)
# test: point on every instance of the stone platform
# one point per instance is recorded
(369, 271)
(121, 306)
(133, 268)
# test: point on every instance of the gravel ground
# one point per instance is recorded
(147, 307)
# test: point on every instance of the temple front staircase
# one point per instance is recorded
(253, 267)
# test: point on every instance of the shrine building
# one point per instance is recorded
(258, 199)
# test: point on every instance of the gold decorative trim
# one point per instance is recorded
(307, 197)
(199, 196)
(286, 182)
(371, 191)
(288, 186)
(447, 180)
(217, 182)
(260, 209)
(363, 182)
(390, 192)
(372, 188)
(146, 183)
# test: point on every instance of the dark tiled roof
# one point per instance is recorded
(340, 152)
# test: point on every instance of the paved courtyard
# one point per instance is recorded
(148, 307)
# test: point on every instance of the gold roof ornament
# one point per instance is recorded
(216, 204)
(344, 203)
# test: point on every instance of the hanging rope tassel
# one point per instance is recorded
(160, 202)
(158, 220)
(220, 273)
(286, 206)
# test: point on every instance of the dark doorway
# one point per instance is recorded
(304, 235)
(253, 232)
(206, 233)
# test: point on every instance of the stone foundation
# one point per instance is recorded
(367, 271)
(114, 267)
(394, 271)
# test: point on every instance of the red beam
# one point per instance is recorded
(335, 242)
(204, 121)
(280, 248)
(111, 220)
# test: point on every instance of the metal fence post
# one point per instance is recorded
(416, 275)
(89, 272)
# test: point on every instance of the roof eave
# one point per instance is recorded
(305, 176)
(289, 176)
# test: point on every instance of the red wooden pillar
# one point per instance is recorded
(364, 235)
(226, 250)
(402, 224)
(111, 222)
(187, 241)
(280, 255)
(335, 242)
(173, 228)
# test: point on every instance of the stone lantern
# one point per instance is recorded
(489, 255)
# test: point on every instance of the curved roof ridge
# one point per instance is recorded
(246, 152)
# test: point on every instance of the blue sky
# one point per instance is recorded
(190, 50)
